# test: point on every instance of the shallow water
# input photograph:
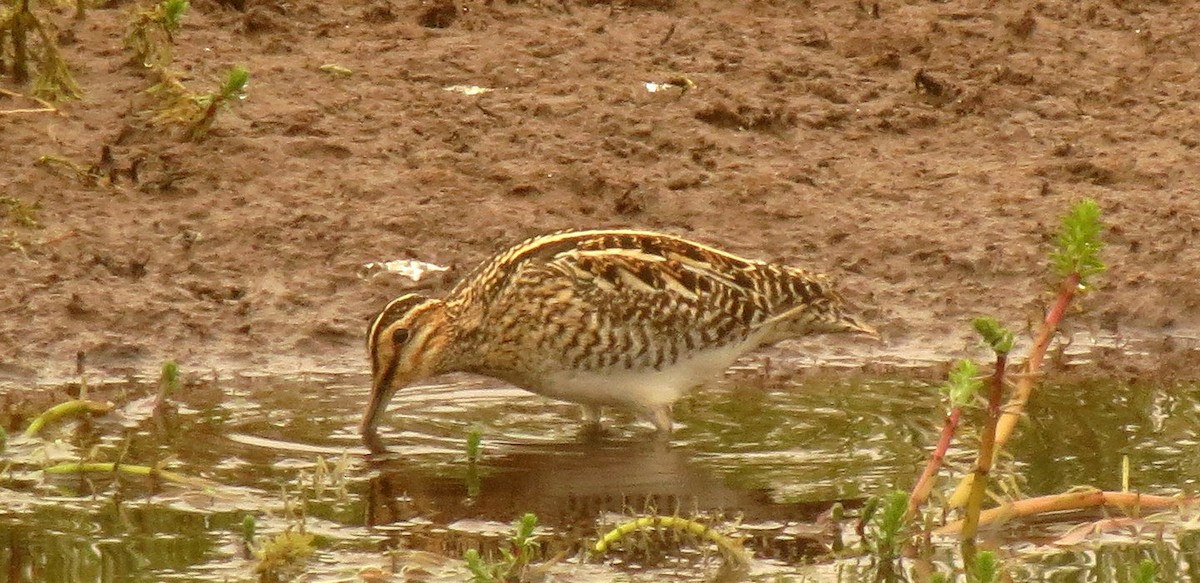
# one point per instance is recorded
(761, 462)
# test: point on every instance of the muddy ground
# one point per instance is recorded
(921, 152)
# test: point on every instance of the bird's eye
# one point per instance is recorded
(400, 335)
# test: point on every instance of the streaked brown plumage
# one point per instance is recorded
(625, 318)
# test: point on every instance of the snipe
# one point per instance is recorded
(625, 318)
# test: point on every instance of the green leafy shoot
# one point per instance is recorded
(168, 381)
(995, 336)
(234, 87)
(152, 31)
(249, 526)
(963, 383)
(887, 525)
(21, 213)
(986, 569)
(1079, 243)
(522, 548)
(1147, 572)
(197, 111)
(474, 439)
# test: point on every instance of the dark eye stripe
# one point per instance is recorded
(392, 313)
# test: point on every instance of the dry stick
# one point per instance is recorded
(46, 105)
(1128, 502)
(987, 447)
(924, 485)
(1016, 405)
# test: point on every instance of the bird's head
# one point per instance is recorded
(405, 342)
(828, 313)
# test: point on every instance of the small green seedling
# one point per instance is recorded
(281, 557)
(886, 531)
(962, 384)
(168, 382)
(249, 526)
(961, 387)
(522, 548)
(27, 42)
(986, 568)
(1147, 572)
(1079, 243)
(21, 213)
(152, 32)
(198, 111)
(995, 336)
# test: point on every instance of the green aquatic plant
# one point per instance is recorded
(886, 531)
(961, 387)
(1000, 340)
(474, 441)
(28, 42)
(68, 409)
(282, 556)
(731, 550)
(985, 568)
(168, 383)
(21, 213)
(515, 559)
(1076, 260)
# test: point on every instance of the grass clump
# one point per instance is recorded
(21, 213)
(152, 32)
(282, 556)
(28, 44)
(515, 559)
(197, 111)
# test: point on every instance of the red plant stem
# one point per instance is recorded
(987, 445)
(1016, 405)
(924, 485)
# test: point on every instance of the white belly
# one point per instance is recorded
(640, 389)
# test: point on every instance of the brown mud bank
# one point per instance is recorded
(920, 152)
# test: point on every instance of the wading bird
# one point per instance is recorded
(620, 318)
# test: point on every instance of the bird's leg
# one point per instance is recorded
(661, 418)
(591, 417)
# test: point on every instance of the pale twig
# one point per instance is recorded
(46, 105)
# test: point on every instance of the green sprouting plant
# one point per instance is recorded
(282, 556)
(474, 439)
(522, 548)
(21, 213)
(995, 336)
(197, 111)
(28, 42)
(1147, 572)
(961, 387)
(1079, 243)
(1076, 259)
(883, 531)
(168, 382)
(249, 526)
(886, 531)
(3, 439)
(152, 32)
(1000, 340)
(985, 569)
